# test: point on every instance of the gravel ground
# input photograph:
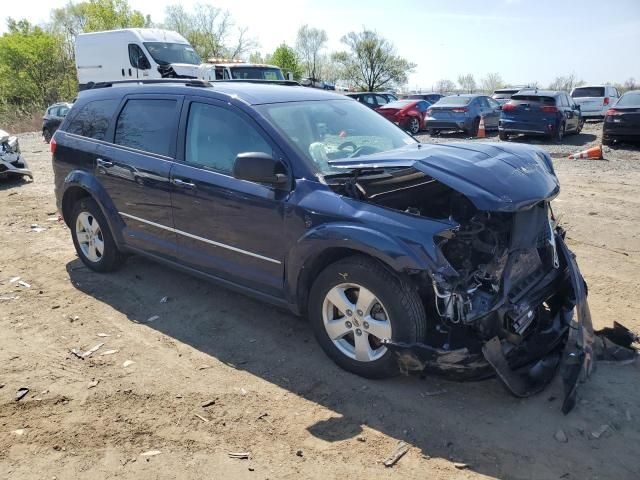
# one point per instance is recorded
(217, 372)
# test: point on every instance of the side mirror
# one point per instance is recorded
(576, 106)
(259, 167)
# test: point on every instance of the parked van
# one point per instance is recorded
(152, 53)
(595, 100)
(131, 53)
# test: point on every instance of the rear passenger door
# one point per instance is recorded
(135, 166)
(229, 228)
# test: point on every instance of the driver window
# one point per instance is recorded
(381, 100)
(137, 58)
(215, 136)
(368, 99)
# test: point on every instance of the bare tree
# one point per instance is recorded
(566, 83)
(445, 86)
(371, 62)
(210, 30)
(492, 82)
(309, 44)
(630, 84)
(467, 83)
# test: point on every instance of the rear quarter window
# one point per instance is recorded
(93, 119)
(147, 125)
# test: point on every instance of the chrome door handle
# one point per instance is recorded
(182, 184)
(104, 163)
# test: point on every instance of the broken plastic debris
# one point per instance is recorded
(93, 383)
(240, 455)
(151, 453)
(21, 393)
(92, 350)
(164, 299)
(561, 436)
(103, 335)
(14, 279)
(19, 431)
(401, 449)
(6, 299)
(108, 352)
(23, 284)
(460, 465)
(599, 432)
(208, 403)
(128, 363)
(201, 417)
(153, 319)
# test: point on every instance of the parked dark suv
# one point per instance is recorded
(52, 119)
(402, 255)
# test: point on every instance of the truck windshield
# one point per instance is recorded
(256, 73)
(165, 53)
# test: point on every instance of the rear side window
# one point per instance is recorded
(147, 125)
(588, 92)
(629, 99)
(93, 119)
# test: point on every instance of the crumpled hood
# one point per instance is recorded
(494, 176)
(186, 69)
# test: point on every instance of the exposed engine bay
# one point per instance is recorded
(501, 298)
(11, 161)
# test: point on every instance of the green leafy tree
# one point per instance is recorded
(33, 68)
(467, 83)
(371, 63)
(285, 58)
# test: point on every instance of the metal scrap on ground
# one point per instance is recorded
(401, 449)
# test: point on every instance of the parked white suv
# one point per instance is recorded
(595, 100)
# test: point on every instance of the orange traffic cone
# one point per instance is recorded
(594, 153)
(481, 131)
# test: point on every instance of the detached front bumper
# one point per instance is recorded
(528, 367)
(14, 164)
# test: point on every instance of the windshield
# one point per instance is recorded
(588, 92)
(256, 73)
(165, 53)
(629, 99)
(333, 130)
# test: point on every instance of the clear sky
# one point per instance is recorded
(525, 41)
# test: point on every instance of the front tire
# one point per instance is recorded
(558, 135)
(354, 304)
(92, 237)
(503, 136)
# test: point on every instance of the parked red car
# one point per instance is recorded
(408, 114)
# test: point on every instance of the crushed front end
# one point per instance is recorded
(12, 163)
(509, 300)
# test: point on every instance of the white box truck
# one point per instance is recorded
(152, 53)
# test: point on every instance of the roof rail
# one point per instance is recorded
(191, 82)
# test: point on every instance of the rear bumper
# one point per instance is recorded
(525, 368)
(531, 128)
(615, 130)
(446, 124)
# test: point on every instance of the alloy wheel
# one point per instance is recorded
(356, 322)
(89, 235)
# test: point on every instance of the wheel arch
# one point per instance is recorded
(79, 185)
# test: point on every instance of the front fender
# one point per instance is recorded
(399, 255)
(90, 184)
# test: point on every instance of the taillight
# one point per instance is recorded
(612, 111)
(606, 100)
(52, 146)
(549, 109)
(508, 106)
(459, 110)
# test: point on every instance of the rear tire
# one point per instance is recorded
(46, 134)
(580, 125)
(395, 303)
(475, 127)
(503, 136)
(558, 135)
(414, 125)
(606, 140)
(92, 237)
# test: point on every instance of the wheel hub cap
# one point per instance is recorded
(358, 335)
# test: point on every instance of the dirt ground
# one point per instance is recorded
(273, 393)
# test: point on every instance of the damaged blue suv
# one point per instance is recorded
(404, 256)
